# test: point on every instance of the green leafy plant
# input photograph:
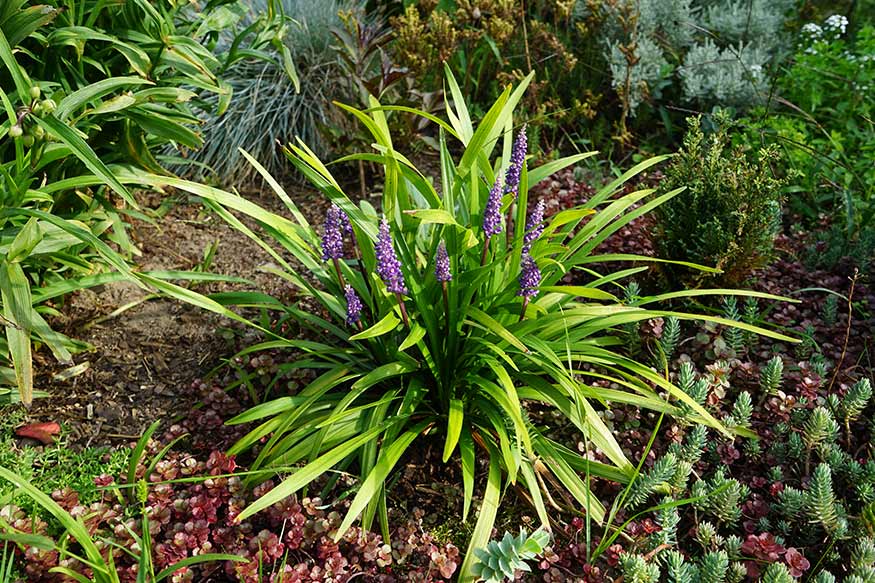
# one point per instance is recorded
(437, 321)
(730, 211)
(499, 561)
(823, 125)
(80, 99)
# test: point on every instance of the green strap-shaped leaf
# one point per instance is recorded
(372, 485)
(488, 322)
(15, 293)
(313, 470)
(19, 75)
(83, 151)
(455, 417)
(76, 529)
(384, 326)
(83, 96)
(486, 519)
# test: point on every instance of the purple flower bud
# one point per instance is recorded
(388, 266)
(534, 226)
(530, 277)
(353, 306)
(442, 263)
(517, 158)
(332, 233)
(492, 212)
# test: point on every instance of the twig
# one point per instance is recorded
(838, 367)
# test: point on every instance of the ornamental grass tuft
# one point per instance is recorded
(444, 354)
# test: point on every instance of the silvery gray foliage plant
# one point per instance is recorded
(734, 21)
(646, 78)
(718, 51)
(735, 75)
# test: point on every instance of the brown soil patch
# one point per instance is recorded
(145, 359)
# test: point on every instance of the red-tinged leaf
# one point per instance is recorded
(42, 432)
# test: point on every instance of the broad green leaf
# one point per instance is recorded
(417, 332)
(433, 216)
(384, 326)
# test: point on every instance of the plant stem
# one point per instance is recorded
(361, 264)
(485, 250)
(510, 224)
(403, 310)
(340, 279)
(838, 367)
(446, 306)
(523, 309)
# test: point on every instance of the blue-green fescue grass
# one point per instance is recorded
(266, 107)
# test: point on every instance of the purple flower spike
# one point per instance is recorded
(530, 277)
(353, 306)
(442, 263)
(332, 233)
(388, 266)
(534, 226)
(345, 225)
(492, 212)
(517, 158)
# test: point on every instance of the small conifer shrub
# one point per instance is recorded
(730, 211)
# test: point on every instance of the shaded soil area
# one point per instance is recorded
(148, 351)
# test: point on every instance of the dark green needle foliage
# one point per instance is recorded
(729, 213)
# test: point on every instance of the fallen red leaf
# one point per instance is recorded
(42, 432)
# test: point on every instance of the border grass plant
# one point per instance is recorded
(268, 106)
(446, 315)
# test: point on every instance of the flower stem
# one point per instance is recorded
(339, 275)
(485, 250)
(523, 309)
(361, 264)
(403, 310)
(510, 224)
(446, 306)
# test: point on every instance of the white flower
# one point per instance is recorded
(837, 22)
(812, 29)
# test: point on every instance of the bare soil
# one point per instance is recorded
(145, 359)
